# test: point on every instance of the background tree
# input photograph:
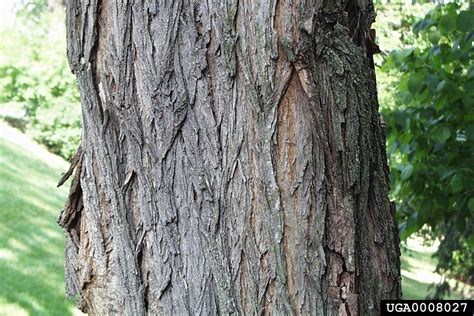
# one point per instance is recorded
(232, 160)
(38, 92)
(431, 134)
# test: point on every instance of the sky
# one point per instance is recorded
(7, 16)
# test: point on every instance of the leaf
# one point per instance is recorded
(470, 72)
(447, 23)
(446, 175)
(441, 86)
(471, 241)
(434, 37)
(442, 134)
(465, 21)
(470, 204)
(392, 148)
(456, 184)
(470, 132)
(406, 52)
(412, 224)
(407, 171)
(402, 231)
(432, 81)
(422, 25)
(468, 101)
(415, 83)
(400, 118)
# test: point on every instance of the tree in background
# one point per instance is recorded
(36, 87)
(232, 160)
(431, 136)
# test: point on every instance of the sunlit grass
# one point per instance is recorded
(31, 243)
(418, 265)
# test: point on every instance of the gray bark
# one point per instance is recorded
(232, 160)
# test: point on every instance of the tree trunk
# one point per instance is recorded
(232, 160)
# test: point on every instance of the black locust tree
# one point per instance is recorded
(232, 160)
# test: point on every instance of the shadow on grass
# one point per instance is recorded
(33, 294)
(31, 243)
(412, 288)
(418, 273)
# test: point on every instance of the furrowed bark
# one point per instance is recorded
(232, 160)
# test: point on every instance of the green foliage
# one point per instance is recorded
(430, 135)
(394, 31)
(34, 74)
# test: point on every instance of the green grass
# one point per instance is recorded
(418, 265)
(31, 243)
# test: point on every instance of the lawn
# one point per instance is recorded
(31, 243)
(418, 265)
